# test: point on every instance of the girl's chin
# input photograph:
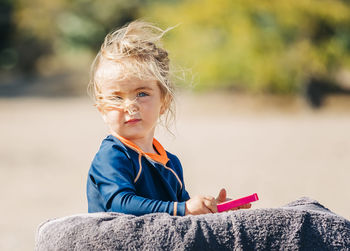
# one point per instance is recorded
(131, 136)
(134, 133)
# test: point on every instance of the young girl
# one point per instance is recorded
(132, 173)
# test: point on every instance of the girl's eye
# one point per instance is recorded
(117, 98)
(142, 94)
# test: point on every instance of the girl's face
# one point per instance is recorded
(140, 105)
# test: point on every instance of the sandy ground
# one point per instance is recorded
(277, 148)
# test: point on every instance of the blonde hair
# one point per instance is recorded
(136, 49)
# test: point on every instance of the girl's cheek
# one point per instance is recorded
(113, 116)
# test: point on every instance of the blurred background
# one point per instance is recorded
(263, 101)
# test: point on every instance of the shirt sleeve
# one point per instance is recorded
(113, 175)
(181, 207)
(183, 195)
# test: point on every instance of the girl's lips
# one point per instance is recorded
(132, 121)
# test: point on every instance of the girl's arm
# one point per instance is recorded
(112, 176)
(129, 203)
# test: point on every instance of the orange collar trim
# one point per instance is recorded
(161, 157)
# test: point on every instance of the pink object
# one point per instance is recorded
(236, 203)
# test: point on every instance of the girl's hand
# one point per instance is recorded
(222, 198)
(201, 205)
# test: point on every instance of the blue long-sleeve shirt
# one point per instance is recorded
(122, 178)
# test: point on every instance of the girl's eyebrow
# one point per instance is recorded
(117, 92)
(143, 88)
(137, 89)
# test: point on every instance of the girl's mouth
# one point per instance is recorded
(132, 121)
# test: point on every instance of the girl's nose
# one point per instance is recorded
(130, 107)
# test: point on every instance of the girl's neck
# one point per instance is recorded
(145, 144)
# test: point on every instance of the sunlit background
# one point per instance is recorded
(262, 106)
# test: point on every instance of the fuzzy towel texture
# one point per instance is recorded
(301, 225)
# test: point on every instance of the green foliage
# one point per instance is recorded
(259, 46)
(49, 36)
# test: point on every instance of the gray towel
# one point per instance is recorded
(301, 225)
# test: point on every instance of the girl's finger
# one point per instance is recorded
(245, 206)
(222, 196)
(211, 198)
(249, 205)
(211, 205)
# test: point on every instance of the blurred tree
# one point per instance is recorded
(7, 56)
(259, 46)
(50, 36)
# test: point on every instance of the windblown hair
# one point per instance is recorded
(137, 51)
